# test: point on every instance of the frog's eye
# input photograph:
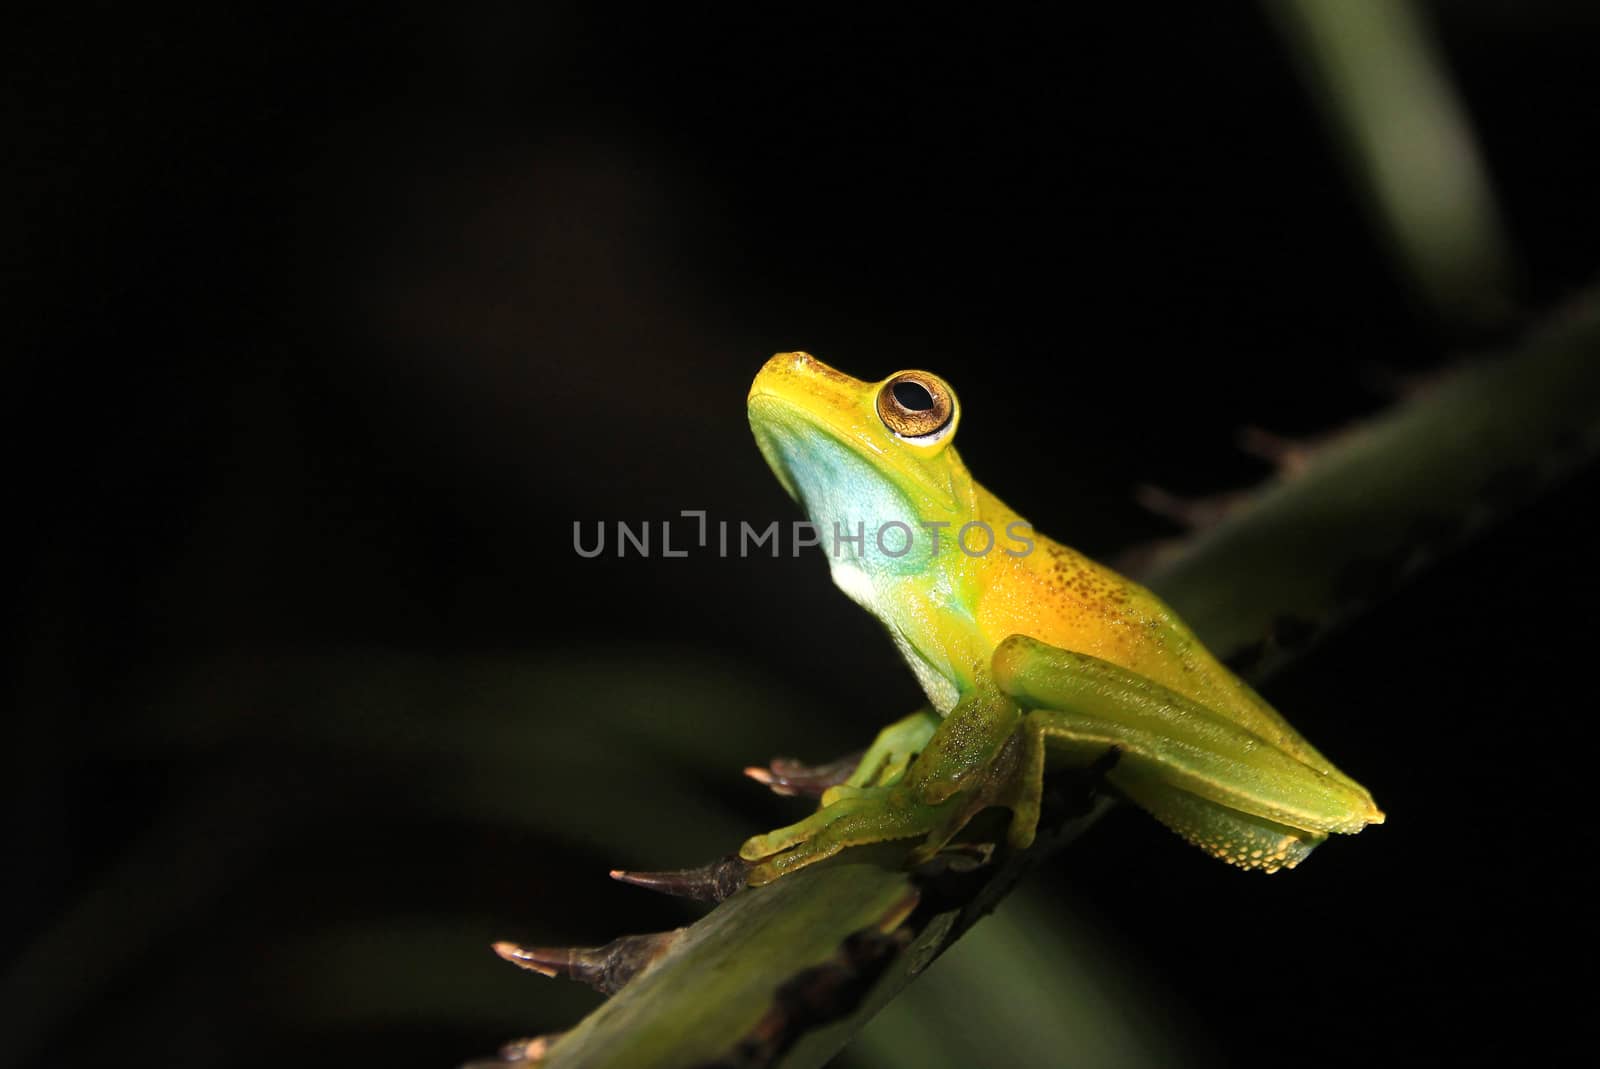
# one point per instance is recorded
(915, 404)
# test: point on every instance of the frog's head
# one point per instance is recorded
(864, 455)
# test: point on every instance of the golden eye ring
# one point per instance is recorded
(915, 404)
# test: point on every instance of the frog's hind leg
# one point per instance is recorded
(1198, 772)
(1241, 839)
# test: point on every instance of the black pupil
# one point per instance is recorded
(913, 396)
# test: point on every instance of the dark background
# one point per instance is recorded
(326, 329)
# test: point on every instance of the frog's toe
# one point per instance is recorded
(944, 824)
(860, 817)
(760, 846)
(793, 859)
(841, 792)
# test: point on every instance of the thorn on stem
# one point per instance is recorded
(1195, 513)
(791, 778)
(708, 883)
(529, 1051)
(606, 969)
(1291, 456)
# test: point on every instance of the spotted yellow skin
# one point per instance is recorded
(1060, 597)
(1030, 653)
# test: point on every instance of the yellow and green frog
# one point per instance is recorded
(1030, 654)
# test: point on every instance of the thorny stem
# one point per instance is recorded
(786, 974)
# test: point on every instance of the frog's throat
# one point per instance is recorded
(801, 448)
(834, 478)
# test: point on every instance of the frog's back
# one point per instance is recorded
(1059, 596)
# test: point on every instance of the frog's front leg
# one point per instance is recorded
(949, 780)
(882, 762)
(1212, 781)
(893, 750)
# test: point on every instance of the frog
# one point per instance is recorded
(1031, 655)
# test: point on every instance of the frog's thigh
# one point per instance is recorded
(1082, 707)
